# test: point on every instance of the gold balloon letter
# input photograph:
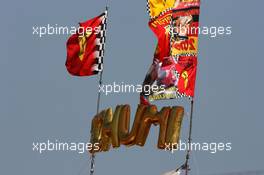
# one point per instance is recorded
(108, 129)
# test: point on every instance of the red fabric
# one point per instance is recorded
(187, 64)
(74, 64)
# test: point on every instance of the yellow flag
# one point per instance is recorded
(156, 7)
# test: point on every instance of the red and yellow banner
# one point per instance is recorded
(175, 58)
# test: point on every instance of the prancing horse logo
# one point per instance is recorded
(82, 43)
(185, 76)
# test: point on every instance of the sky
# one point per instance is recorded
(40, 101)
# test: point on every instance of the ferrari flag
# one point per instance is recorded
(175, 60)
(85, 48)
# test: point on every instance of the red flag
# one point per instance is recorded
(85, 49)
(175, 59)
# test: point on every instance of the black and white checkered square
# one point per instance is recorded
(100, 44)
(148, 9)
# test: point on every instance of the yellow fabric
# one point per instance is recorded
(82, 44)
(158, 6)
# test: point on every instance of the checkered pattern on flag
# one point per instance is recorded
(85, 49)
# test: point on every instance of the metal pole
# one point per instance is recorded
(92, 164)
(189, 141)
(99, 92)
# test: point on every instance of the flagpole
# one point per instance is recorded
(97, 108)
(188, 154)
(100, 82)
(99, 92)
(186, 164)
